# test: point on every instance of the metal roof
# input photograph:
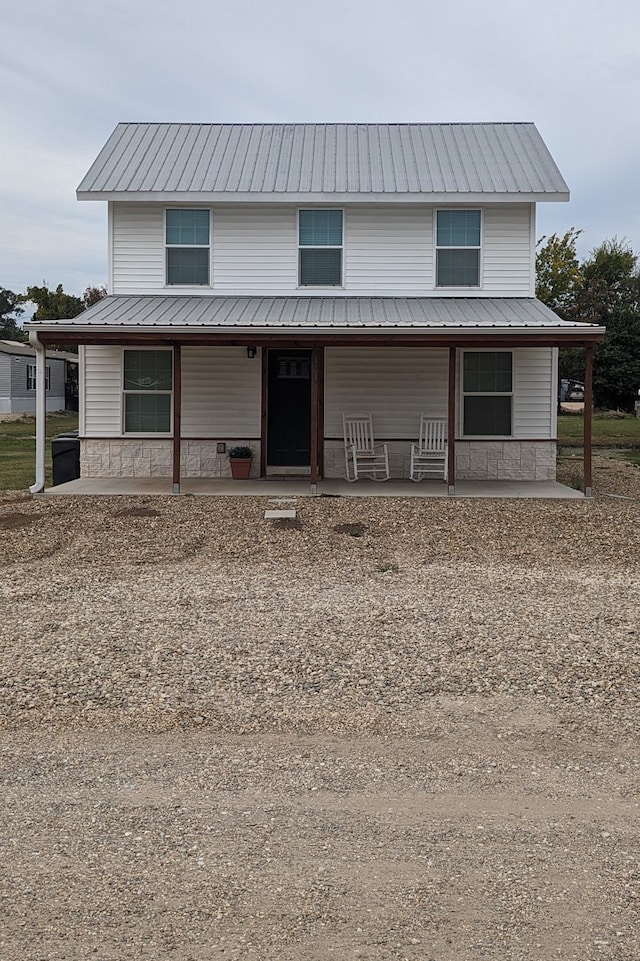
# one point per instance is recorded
(204, 313)
(311, 160)
(15, 348)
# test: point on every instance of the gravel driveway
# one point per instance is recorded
(395, 729)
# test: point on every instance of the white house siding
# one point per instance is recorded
(255, 250)
(507, 251)
(389, 251)
(395, 385)
(101, 392)
(137, 237)
(220, 393)
(534, 401)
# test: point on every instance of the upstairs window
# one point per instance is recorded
(320, 248)
(148, 385)
(187, 243)
(487, 389)
(31, 377)
(458, 248)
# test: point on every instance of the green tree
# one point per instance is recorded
(54, 304)
(558, 285)
(10, 311)
(604, 289)
(558, 273)
(610, 296)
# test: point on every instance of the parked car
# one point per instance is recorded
(570, 390)
(576, 391)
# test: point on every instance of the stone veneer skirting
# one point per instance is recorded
(475, 460)
(125, 457)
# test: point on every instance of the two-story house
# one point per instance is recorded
(265, 279)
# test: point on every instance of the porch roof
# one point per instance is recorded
(173, 315)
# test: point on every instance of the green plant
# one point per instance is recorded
(576, 481)
(241, 453)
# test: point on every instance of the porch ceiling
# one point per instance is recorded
(320, 321)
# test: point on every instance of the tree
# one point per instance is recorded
(92, 295)
(558, 284)
(558, 273)
(10, 311)
(604, 289)
(610, 296)
(54, 304)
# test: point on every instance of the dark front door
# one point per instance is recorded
(289, 408)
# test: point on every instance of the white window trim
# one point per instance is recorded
(480, 250)
(123, 394)
(486, 393)
(300, 247)
(31, 377)
(166, 246)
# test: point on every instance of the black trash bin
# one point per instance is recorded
(65, 454)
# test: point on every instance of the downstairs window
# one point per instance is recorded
(147, 391)
(487, 393)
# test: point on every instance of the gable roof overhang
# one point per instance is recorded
(324, 163)
(318, 321)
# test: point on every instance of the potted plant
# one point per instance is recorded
(240, 460)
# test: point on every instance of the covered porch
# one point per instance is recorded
(293, 488)
(318, 332)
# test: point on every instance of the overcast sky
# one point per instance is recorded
(70, 70)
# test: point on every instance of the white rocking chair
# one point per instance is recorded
(363, 457)
(429, 455)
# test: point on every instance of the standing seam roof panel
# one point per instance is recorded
(321, 158)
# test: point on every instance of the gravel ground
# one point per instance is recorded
(391, 730)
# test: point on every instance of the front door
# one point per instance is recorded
(289, 408)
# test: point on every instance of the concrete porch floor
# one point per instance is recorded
(300, 487)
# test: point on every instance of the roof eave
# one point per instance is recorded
(248, 331)
(254, 197)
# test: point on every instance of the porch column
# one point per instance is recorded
(587, 420)
(315, 398)
(41, 411)
(177, 407)
(451, 423)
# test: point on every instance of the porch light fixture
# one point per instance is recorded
(251, 352)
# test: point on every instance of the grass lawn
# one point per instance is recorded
(613, 435)
(18, 448)
(609, 430)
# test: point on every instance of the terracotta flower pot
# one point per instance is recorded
(240, 467)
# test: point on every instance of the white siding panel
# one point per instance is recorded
(220, 392)
(534, 401)
(507, 253)
(102, 391)
(138, 248)
(255, 250)
(394, 385)
(389, 251)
